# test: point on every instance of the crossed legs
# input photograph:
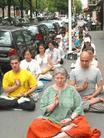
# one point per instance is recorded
(61, 135)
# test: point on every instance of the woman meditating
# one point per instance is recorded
(43, 61)
(62, 110)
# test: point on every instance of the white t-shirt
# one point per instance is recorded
(54, 55)
(42, 61)
(92, 75)
(94, 62)
(32, 66)
(92, 45)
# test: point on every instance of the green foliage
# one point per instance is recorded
(77, 6)
(3, 3)
(58, 5)
(51, 5)
(47, 5)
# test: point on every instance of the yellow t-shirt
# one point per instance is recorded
(27, 81)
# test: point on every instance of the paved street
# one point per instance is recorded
(14, 124)
(97, 119)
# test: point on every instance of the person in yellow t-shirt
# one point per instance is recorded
(18, 84)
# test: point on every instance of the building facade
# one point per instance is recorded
(96, 9)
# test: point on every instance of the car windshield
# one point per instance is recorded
(33, 29)
(5, 38)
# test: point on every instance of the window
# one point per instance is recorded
(5, 39)
(28, 37)
(19, 38)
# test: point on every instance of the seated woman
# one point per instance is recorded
(63, 115)
(42, 59)
(54, 55)
(31, 65)
(88, 43)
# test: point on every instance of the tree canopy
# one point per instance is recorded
(47, 5)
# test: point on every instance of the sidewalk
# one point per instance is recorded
(97, 119)
(97, 34)
(98, 39)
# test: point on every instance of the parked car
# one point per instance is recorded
(49, 24)
(39, 32)
(13, 41)
(52, 26)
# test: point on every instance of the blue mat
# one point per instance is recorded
(39, 90)
(44, 80)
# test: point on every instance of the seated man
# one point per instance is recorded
(93, 61)
(18, 84)
(88, 80)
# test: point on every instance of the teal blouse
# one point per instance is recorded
(69, 102)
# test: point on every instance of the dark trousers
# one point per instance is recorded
(10, 104)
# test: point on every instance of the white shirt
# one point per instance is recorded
(32, 66)
(54, 54)
(42, 61)
(94, 62)
(92, 45)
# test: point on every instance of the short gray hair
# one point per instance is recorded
(62, 71)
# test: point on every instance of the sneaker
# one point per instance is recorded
(22, 100)
(7, 98)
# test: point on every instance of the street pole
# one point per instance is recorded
(30, 9)
(9, 9)
(36, 8)
(70, 24)
(21, 8)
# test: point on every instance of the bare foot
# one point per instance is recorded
(68, 127)
(101, 99)
(96, 100)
